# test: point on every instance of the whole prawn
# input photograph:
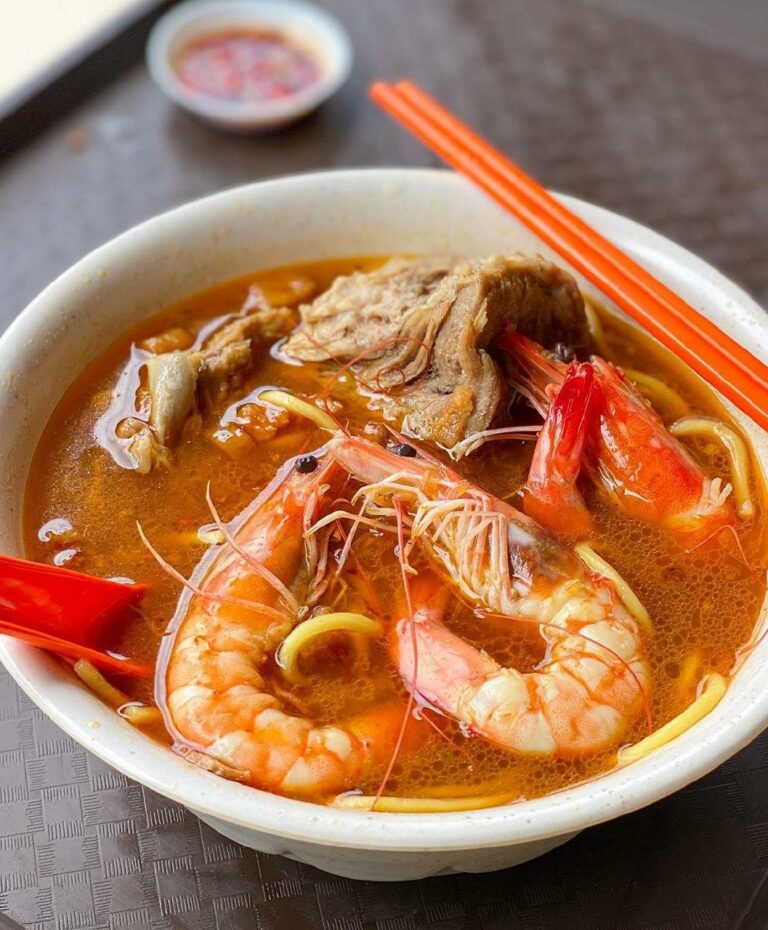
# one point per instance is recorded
(595, 417)
(593, 682)
(248, 594)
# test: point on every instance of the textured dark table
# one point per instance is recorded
(634, 104)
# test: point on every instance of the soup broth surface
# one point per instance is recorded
(81, 511)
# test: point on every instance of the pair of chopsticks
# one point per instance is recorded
(710, 352)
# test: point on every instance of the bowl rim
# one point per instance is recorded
(283, 14)
(616, 792)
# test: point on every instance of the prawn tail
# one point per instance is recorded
(551, 496)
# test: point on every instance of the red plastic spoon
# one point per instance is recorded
(65, 612)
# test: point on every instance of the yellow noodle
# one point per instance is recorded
(301, 407)
(140, 715)
(595, 327)
(136, 714)
(737, 455)
(453, 792)
(393, 805)
(631, 601)
(691, 667)
(294, 642)
(713, 688)
(656, 390)
(91, 676)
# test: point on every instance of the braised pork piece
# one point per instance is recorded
(417, 332)
(420, 331)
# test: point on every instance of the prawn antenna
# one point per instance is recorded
(412, 625)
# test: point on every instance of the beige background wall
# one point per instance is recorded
(38, 33)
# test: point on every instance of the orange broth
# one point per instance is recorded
(703, 604)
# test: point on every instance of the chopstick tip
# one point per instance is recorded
(378, 89)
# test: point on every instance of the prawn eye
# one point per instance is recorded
(306, 464)
(564, 352)
(402, 448)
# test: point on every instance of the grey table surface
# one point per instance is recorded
(656, 109)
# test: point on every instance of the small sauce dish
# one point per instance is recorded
(248, 66)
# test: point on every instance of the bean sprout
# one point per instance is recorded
(468, 445)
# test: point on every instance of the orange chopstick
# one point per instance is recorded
(725, 364)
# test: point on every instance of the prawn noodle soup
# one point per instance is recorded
(385, 625)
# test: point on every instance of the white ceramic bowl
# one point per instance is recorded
(309, 27)
(306, 218)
